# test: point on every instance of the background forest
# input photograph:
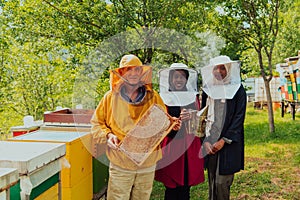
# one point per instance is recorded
(58, 53)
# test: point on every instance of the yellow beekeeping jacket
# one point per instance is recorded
(114, 114)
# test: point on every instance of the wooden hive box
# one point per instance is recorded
(69, 116)
(38, 165)
(76, 179)
(8, 178)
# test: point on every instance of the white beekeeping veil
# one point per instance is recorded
(178, 98)
(221, 89)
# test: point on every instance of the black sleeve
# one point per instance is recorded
(236, 111)
(203, 99)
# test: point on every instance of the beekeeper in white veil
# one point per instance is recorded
(173, 97)
(221, 80)
(216, 86)
(224, 141)
(182, 164)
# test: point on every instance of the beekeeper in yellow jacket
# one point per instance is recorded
(131, 95)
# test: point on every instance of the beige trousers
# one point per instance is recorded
(130, 185)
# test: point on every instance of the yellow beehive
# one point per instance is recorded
(83, 190)
(80, 160)
(50, 194)
(78, 156)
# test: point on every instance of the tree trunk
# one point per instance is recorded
(270, 106)
(267, 89)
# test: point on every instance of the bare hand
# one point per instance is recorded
(112, 141)
(178, 123)
(185, 115)
(208, 148)
(218, 145)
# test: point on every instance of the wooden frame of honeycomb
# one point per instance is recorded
(147, 134)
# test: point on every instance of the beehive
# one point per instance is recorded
(38, 166)
(76, 180)
(8, 178)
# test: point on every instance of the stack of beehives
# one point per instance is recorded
(293, 79)
(290, 79)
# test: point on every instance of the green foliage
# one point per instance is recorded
(44, 45)
(41, 76)
(288, 43)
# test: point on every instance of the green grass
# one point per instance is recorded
(272, 161)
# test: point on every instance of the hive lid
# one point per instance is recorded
(29, 156)
(51, 136)
(8, 176)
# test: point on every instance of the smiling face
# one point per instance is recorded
(179, 80)
(220, 72)
(133, 74)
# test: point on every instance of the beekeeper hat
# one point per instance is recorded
(130, 61)
(219, 60)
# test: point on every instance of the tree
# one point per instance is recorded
(158, 31)
(52, 40)
(146, 16)
(93, 24)
(288, 43)
(39, 69)
(257, 24)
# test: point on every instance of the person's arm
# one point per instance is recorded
(233, 132)
(100, 129)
